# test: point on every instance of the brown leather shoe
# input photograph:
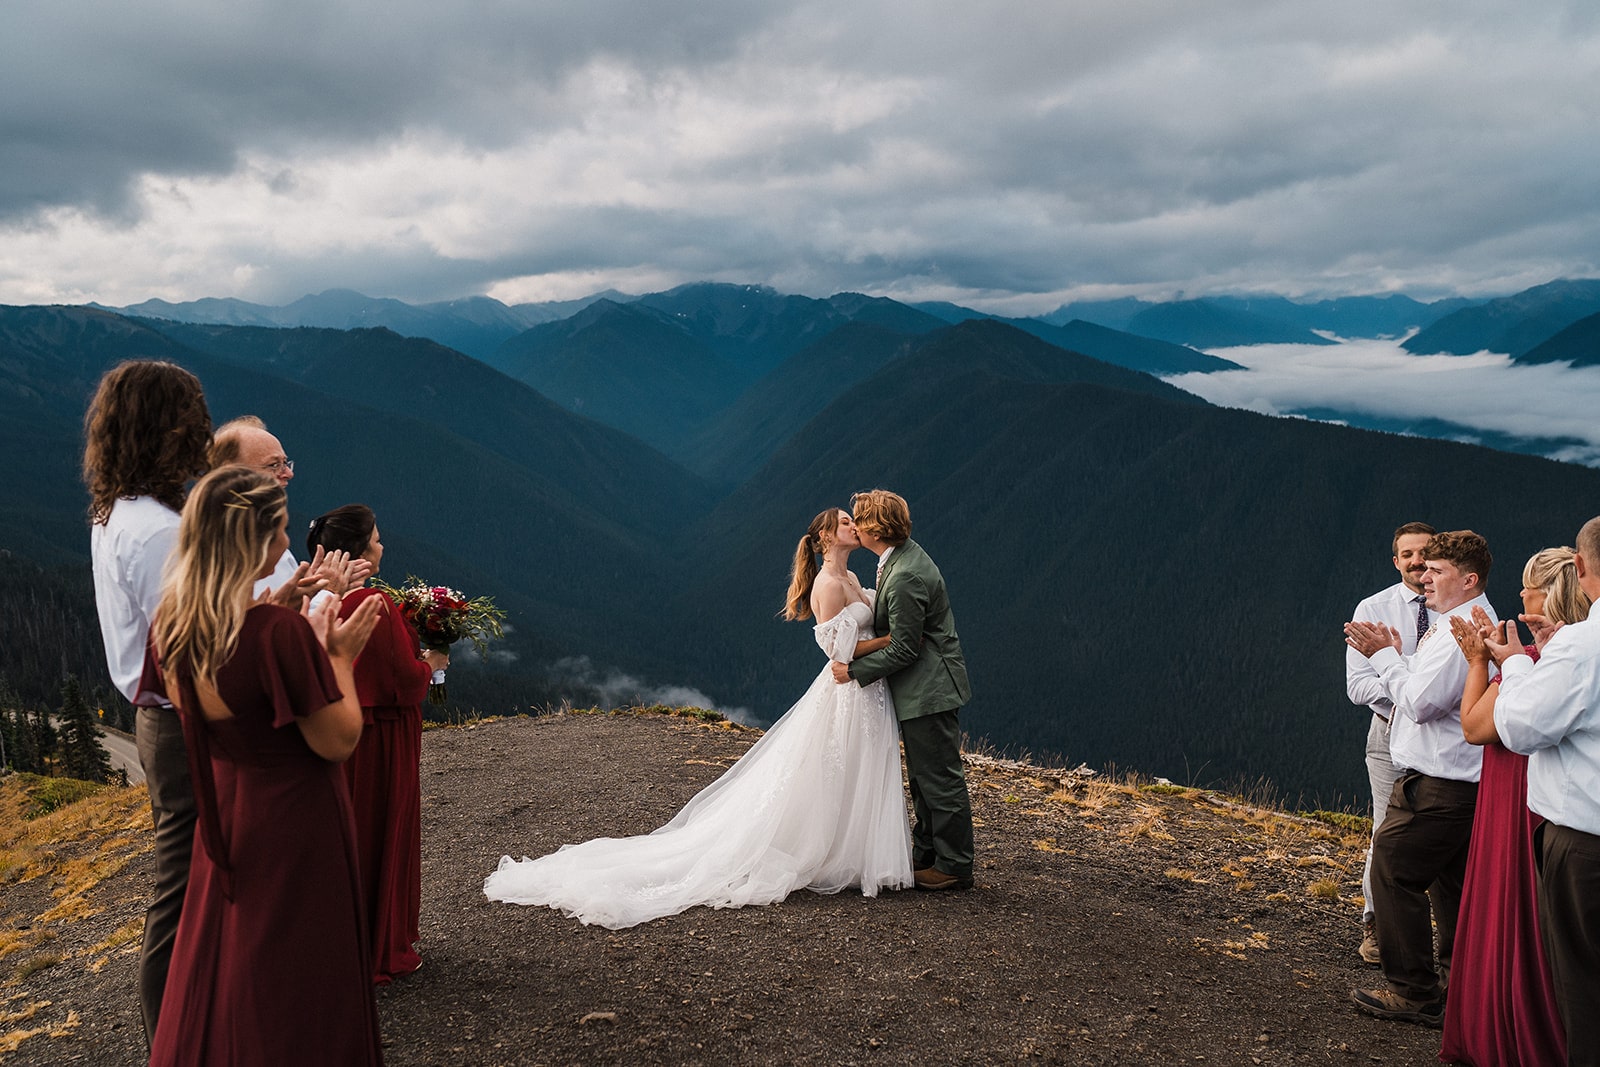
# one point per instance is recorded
(1369, 945)
(1387, 1004)
(933, 880)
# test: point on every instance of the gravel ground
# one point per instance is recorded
(1109, 925)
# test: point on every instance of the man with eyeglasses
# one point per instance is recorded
(246, 441)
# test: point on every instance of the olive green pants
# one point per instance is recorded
(941, 837)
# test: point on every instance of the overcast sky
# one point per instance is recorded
(1008, 155)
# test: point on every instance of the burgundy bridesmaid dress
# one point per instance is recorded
(391, 683)
(1501, 1009)
(271, 964)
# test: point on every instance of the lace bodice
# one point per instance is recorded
(838, 636)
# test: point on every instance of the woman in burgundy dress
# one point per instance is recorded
(391, 676)
(270, 964)
(1501, 1009)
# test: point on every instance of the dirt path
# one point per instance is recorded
(1108, 926)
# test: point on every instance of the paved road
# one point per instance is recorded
(124, 753)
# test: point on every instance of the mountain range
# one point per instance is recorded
(1514, 324)
(1139, 577)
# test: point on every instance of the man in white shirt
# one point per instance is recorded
(1421, 850)
(246, 441)
(145, 436)
(1403, 608)
(1550, 712)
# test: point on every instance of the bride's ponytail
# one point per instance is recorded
(803, 575)
(801, 578)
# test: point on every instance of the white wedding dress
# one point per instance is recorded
(815, 804)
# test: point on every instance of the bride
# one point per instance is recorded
(815, 804)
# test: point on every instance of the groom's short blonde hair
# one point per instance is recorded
(883, 515)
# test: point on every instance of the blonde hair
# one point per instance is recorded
(227, 528)
(820, 535)
(883, 515)
(1554, 571)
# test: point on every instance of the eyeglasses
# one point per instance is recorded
(279, 466)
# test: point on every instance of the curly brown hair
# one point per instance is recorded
(145, 434)
(1468, 551)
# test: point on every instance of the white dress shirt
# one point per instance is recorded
(129, 555)
(1396, 607)
(1425, 732)
(1550, 712)
(280, 574)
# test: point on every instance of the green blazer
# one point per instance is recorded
(923, 663)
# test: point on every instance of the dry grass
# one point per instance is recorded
(1324, 889)
(30, 967)
(31, 848)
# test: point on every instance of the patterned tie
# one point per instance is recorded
(1422, 616)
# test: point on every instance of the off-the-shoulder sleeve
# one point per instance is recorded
(837, 637)
(297, 675)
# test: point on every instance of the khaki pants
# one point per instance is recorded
(166, 773)
(1381, 776)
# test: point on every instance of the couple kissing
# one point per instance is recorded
(816, 803)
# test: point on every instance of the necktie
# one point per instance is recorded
(1422, 616)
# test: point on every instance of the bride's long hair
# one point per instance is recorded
(227, 527)
(820, 535)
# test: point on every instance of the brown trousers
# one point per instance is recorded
(165, 760)
(1419, 860)
(1569, 920)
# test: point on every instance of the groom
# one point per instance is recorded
(928, 679)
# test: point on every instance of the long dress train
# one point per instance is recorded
(817, 804)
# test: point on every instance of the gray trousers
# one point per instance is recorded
(1569, 920)
(942, 835)
(166, 773)
(1382, 775)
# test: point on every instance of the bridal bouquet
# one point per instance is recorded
(441, 617)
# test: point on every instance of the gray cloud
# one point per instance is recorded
(1006, 154)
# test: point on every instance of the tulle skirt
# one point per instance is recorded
(815, 804)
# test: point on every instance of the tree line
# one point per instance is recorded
(60, 742)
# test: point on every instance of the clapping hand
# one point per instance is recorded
(1499, 640)
(343, 639)
(1470, 639)
(338, 572)
(1541, 626)
(292, 593)
(1368, 637)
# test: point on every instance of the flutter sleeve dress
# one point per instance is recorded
(271, 964)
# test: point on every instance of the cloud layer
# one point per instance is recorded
(1009, 154)
(1484, 392)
